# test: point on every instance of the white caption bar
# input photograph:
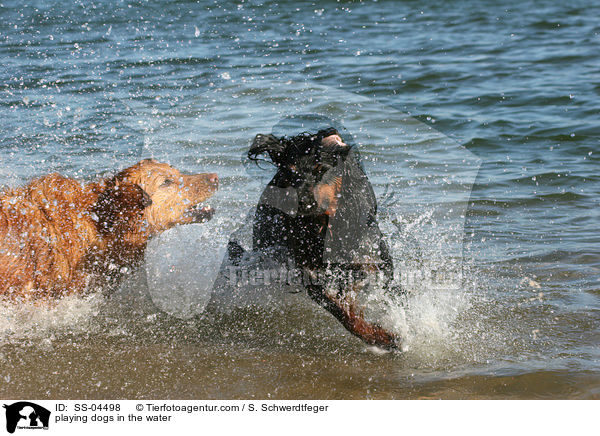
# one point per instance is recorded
(23, 417)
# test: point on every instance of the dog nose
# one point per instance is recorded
(214, 179)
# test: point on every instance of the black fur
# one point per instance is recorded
(320, 210)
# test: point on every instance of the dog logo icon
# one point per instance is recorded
(26, 415)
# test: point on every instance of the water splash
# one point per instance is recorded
(42, 321)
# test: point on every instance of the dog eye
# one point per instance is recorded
(167, 182)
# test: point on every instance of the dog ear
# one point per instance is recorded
(357, 201)
(269, 144)
(117, 204)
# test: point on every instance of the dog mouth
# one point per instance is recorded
(200, 213)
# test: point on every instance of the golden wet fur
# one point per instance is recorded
(56, 233)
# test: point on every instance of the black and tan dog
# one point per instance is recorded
(320, 210)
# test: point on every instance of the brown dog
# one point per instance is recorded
(57, 234)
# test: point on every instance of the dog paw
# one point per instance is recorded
(386, 340)
(374, 334)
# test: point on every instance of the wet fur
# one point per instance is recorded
(320, 201)
(57, 234)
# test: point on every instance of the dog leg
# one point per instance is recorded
(346, 310)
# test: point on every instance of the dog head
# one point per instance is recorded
(320, 180)
(313, 166)
(150, 197)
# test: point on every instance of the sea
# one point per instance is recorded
(476, 122)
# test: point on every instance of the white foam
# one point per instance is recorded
(42, 320)
(433, 279)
